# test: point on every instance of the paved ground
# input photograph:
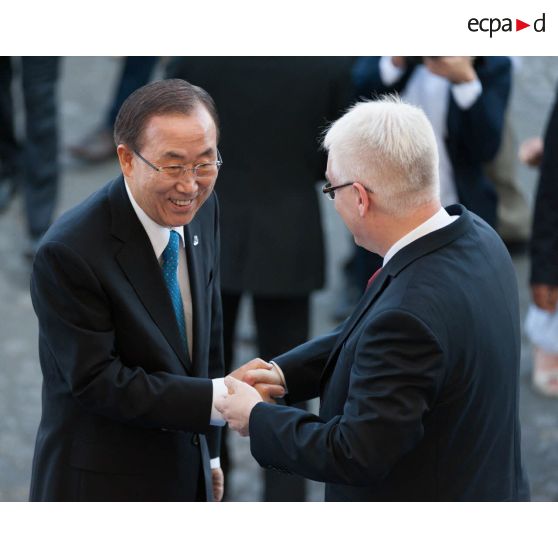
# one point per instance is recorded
(85, 89)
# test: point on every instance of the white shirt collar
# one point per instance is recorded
(439, 220)
(158, 235)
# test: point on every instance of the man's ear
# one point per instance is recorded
(125, 157)
(362, 199)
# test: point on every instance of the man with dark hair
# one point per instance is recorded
(126, 290)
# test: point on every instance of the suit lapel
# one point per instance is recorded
(366, 301)
(197, 285)
(139, 264)
(406, 256)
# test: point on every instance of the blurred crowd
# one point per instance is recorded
(272, 112)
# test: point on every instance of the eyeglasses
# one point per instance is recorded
(201, 170)
(330, 190)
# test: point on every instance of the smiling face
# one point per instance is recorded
(172, 139)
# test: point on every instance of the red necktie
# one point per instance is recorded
(371, 280)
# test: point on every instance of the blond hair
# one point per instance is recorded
(390, 147)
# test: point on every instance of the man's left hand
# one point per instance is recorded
(457, 69)
(218, 482)
(238, 404)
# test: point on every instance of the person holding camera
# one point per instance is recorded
(465, 99)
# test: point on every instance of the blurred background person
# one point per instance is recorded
(465, 98)
(98, 145)
(272, 111)
(30, 163)
(542, 319)
(513, 219)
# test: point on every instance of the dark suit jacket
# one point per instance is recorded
(125, 412)
(473, 135)
(544, 242)
(418, 388)
(272, 112)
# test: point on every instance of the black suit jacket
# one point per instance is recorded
(473, 136)
(125, 411)
(544, 242)
(418, 388)
(272, 112)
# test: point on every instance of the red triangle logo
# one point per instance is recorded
(519, 25)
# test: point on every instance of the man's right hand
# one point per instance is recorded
(263, 376)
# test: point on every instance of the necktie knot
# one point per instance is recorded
(170, 253)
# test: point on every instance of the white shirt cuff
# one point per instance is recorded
(219, 390)
(281, 375)
(465, 94)
(388, 71)
(215, 463)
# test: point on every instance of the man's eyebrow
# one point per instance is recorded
(208, 151)
(175, 155)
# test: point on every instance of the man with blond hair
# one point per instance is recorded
(419, 386)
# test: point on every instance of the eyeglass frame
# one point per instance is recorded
(218, 163)
(329, 190)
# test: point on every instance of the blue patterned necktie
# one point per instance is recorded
(170, 275)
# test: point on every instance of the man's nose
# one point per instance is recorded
(187, 182)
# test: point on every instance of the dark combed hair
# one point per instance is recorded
(168, 96)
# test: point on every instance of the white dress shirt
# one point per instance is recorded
(439, 220)
(430, 92)
(159, 238)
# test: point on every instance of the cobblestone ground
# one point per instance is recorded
(85, 90)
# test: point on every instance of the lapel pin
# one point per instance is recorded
(196, 240)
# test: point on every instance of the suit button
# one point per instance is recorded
(196, 440)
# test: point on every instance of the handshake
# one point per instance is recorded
(252, 383)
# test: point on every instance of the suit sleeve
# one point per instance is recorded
(79, 340)
(216, 356)
(477, 131)
(303, 366)
(544, 242)
(394, 379)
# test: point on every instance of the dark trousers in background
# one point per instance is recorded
(281, 324)
(33, 164)
(136, 72)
